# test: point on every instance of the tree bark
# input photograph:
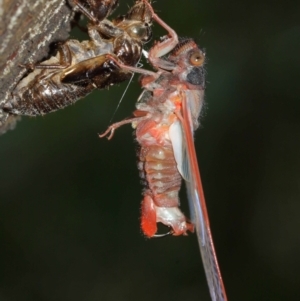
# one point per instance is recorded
(28, 28)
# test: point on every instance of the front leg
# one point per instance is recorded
(155, 75)
(162, 48)
(65, 60)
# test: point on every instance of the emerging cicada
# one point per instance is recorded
(80, 67)
(166, 117)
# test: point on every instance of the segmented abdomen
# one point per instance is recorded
(158, 167)
(43, 97)
(162, 180)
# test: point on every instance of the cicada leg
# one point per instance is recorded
(157, 51)
(65, 59)
(164, 47)
(111, 129)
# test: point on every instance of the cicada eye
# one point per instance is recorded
(139, 31)
(197, 58)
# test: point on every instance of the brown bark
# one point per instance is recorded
(27, 30)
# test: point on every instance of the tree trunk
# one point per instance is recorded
(27, 30)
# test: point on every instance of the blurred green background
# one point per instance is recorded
(69, 201)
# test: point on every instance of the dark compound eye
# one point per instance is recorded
(196, 76)
(197, 58)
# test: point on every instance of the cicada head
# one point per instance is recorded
(190, 60)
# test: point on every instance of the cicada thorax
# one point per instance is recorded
(80, 67)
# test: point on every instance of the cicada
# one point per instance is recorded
(166, 116)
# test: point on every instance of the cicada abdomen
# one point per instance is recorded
(162, 182)
(43, 92)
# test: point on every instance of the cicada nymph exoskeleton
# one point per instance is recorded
(80, 67)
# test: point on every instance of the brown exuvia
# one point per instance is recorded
(80, 67)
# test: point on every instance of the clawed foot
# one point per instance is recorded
(111, 129)
(110, 132)
(29, 67)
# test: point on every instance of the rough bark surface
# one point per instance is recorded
(27, 30)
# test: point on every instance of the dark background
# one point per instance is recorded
(69, 201)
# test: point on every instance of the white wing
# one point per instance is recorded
(186, 159)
